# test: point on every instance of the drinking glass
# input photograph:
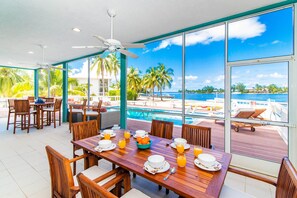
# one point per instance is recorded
(107, 136)
(197, 150)
(127, 134)
(181, 160)
(180, 148)
(122, 143)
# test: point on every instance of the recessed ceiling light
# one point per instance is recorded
(30, 52)
(76, 29)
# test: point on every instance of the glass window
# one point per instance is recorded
(154, 81)
(262, 36)
(262, 89)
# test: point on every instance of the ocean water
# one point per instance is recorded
(253, 97)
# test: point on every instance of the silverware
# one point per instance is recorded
(172, 171)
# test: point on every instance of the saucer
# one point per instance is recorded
(112, 146)
(152, 170)
(112, 135)
(216, 167)
(187, 146)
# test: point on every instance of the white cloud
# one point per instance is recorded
(275, 42)
(220, 78)
(83, 72)
(145, 51)
(273, 75)
(207, 81)
(190, 77)
(234, 77)
(242, 30)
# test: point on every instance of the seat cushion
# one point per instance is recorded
(48, 109)
(134, 193)
(93, 173)
(91, 113)
(77, 111)
(79, 152)
(228, 192)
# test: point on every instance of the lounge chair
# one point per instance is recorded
(246, 114)
(257, 114)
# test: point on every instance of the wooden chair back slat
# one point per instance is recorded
(22, 106)
(11, 103)
(31, 98)
(49, 99)
(57, 105)
(82, 130)
(287, 180)
(90, 189)
(162, 129)
(61, 174)
(197, 135)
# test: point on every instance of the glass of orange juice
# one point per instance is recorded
(122, 143)
(180, 148)
(107, 136)
(197, 150)
(127, 134)
(181, 160)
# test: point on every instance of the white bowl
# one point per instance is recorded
(140, 133)
(180, 141)
(207, 159)
(156, 161)
(104, 143)
(110, 131)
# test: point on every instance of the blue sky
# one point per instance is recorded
(262, 36)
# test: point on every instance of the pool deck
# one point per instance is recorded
(265, 143)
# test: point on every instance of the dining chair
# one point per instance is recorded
(90, 189)
(197, 135)
(77, 109)
(80, 131)
(286, 184)
(63, 183)
(162, 129)
(31, 98)
(10, 111)
(51, 112)
(22, 109)
(93, 112)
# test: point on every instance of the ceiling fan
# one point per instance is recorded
(112, 45)
(43, 64)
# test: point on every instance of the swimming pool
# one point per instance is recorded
(158, 114)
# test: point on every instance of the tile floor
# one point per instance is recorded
(24, 170)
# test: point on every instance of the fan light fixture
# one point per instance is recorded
(76, 29)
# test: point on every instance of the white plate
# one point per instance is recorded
(112, 135)
(216, 167)
(112, 146)
(137, 136)
(187, 146)
(162, 170)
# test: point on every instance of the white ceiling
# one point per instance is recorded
(26, 23)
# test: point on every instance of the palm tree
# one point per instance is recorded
(8, 78)
(164, 77)
(133, 79)
(100, 65)
(113, 65)
(150, 79)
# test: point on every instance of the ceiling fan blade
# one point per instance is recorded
(133, 45)
(127, 53)
(89, 47)
(105, 54)
(100, 38)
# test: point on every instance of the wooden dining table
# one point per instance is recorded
(39, 107)
(189, 181)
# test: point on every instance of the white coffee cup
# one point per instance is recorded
(108, 131)
(140, 133)
(104, 143)
(207, 159)
(156, 161)
(180, 141)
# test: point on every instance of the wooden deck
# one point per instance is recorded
(265, 143)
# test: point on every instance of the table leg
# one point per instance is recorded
(38, 116)
(92, 160)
